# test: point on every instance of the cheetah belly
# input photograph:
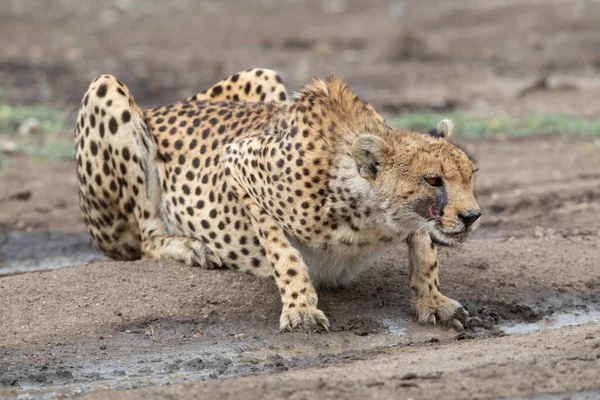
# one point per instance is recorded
(326, 271)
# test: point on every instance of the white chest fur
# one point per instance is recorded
(347, 256)
(328, 271)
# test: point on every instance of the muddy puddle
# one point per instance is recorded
(22, 251)
(166, 352)
(555, 321)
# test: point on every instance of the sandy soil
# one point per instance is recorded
(164, 330)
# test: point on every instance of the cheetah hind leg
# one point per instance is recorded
(118, 181)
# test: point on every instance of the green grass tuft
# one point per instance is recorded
(501, 124)
(48, 140)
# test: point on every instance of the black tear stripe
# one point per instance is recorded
(421, 207)
(441, 202)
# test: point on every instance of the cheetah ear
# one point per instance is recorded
(370, 152)
(443, 129)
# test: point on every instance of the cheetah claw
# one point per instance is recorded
(202, 256)
(311, 316)
(449, 313)
(213, 259)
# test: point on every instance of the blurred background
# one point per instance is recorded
(481, 56)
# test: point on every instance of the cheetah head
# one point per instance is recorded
(420, 181)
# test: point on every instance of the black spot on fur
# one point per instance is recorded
(113, 126)
(101, 92)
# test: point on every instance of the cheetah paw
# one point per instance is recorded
(432, 309)
(310, 316)
(200, 255)
(192, 252)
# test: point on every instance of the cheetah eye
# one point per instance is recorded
(435, 181)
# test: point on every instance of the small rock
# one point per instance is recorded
(198, 333)
(38, 377)
(474, 322)
(93, 376)
(483, 265)
(489, 323)
(409, 376)
(538, 232)
(374, 383)
(64, 374)
(196, 364)
(497, 332)
(592, 283)
(23, 195)
(103, 347)
(408, 384)
(219, 362)
(8, 380)
(464, 336)
(172, 367)
(118, 372)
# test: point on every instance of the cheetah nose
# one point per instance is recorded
(470, 217)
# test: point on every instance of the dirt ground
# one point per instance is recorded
(159, 329)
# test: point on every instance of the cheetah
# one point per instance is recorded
(308, 190)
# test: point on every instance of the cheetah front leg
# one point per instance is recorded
(298, 295)
(429, 304)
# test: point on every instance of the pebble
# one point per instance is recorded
(64, 374)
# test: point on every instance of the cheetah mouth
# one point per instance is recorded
(450, 238)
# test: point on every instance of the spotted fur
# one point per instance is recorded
(308, 191)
